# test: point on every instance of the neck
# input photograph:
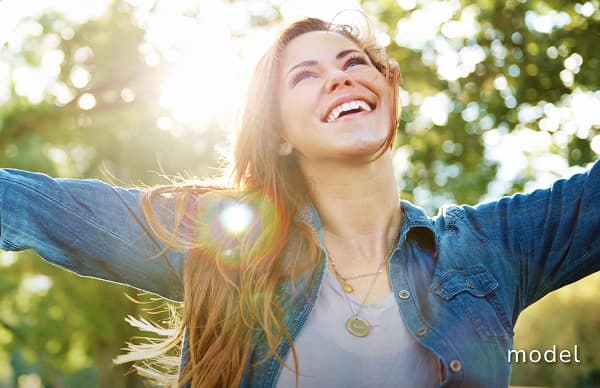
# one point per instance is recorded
(358, 205)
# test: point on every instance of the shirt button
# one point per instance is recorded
(455, 366)
(422, 331)
(404, 294)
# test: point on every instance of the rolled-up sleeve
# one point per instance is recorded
(88, 227)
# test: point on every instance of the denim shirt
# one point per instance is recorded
(460, 279)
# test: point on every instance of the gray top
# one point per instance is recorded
(329, 356)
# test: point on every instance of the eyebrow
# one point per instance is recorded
(312, 62)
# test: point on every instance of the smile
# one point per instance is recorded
(350, 107)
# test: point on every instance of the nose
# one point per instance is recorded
(338, 78)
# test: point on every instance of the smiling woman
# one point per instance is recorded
(326, 278)
(348, 101)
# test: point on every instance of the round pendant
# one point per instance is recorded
(348, 288)
(358, 327)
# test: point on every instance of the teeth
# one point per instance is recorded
(351, 105)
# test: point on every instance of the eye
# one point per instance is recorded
(355, 59)
(302, 76)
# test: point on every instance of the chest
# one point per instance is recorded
(329, 355)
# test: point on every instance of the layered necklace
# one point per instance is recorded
(356, 325)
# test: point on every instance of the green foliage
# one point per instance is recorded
(522, 67)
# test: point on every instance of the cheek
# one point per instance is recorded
(371, 74)
(292, 124)
(287, 113)
(298, 107)
(387, 94)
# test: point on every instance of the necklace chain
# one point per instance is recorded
(355, 324)
(347, 286)
(346, 278)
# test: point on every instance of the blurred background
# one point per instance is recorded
(499, 96)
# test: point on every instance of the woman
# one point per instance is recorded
(333, 281)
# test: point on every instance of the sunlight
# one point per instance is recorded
(195, 91)
(12, 12)
(424, 24)
(340, 11)
(201, 81)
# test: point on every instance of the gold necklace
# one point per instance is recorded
(355, 324)
(346, 286)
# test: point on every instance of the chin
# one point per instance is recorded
(364, 151)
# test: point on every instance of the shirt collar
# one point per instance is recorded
(418, 226)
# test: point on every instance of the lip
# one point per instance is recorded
(346, 98)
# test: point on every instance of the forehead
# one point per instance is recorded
(315, 45)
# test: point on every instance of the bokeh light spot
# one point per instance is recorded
(87, 101)
(36, 284)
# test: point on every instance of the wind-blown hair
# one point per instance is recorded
(231, 280)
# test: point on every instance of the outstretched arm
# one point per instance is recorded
(88, 227)
(549, 238)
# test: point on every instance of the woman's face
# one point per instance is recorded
(335, 105)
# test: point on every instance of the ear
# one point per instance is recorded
(285, 149)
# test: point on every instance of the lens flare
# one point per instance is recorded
(248, 230)
(236, 218)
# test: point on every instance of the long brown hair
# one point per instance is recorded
(230, 280)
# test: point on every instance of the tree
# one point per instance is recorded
(96, 119)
